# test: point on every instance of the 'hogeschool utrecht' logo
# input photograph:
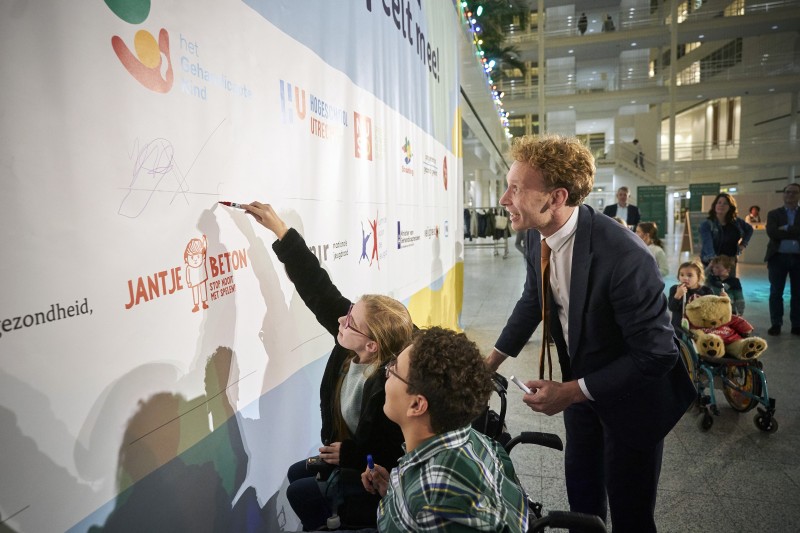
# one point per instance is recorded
(292, 96)
(151, 65)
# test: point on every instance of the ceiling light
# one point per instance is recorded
(701, 36)
(775, 27)
(571, 51)
(633, 44)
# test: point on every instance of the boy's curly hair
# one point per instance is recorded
(448, 369)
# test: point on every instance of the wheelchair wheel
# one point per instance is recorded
(765, 423)
(744, 381)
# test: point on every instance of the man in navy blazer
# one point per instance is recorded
(624, 385)
(783, 259)
(627, 212)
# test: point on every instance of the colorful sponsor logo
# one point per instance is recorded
(209, 277)
(371, 241)
(362, 135)
(444, 172)
(147, 64)
(407, 155)
(326, 120)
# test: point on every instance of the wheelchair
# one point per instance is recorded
(744, 384)
(492, 424)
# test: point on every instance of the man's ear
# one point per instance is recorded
(418, 406)
(560, 196)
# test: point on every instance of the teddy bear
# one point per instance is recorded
(718, 332)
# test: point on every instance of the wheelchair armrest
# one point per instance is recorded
(548, 440)
(687, 333)
(569, 520)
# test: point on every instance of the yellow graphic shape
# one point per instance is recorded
(440, 307)
(147, 49)
(456, 132)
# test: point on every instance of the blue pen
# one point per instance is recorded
(370, 463)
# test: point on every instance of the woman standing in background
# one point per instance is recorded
(723, 233)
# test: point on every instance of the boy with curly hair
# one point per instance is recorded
(451, 476)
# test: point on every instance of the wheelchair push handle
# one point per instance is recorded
(548, 440)
(569, 520)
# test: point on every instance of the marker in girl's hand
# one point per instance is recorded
(370, 463)
(232, 204)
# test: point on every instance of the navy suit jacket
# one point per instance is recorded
(778, 218)
(634, 217)
(621, 340)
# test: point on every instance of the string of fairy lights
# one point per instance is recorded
(471, 18)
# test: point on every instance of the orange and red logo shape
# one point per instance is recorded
(147, 65)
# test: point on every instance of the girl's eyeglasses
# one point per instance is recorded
(348, 322)
(390, 369)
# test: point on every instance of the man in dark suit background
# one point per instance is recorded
(624, 386)
(627, 212)
(783, 259)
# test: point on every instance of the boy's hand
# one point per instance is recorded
(376, 481)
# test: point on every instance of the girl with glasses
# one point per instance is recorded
(367, 332)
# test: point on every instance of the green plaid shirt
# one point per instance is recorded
(457, 481)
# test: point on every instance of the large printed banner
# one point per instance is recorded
(158, 371)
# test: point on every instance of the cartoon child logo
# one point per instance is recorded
(196, 274)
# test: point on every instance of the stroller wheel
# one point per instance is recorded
(765, 423)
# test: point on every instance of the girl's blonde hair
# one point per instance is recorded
(388, 323)
(701, 275)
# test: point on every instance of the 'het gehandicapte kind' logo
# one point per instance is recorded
(147, 65)
(193, 275)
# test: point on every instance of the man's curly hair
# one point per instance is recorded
(448, 369)
(564, 162)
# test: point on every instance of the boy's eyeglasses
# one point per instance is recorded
(391, 369)
(348, 323)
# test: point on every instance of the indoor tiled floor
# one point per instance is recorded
(731, 478)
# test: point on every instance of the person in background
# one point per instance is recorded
(583, 23)
(648, 232)
(622, 209)
(690, 286)
(638, 155)
(754, 215)
(608, 24)
(624, 386)
(451, 478)
(368, 332)
(723, 232)
(783, 259)
(723, 283)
